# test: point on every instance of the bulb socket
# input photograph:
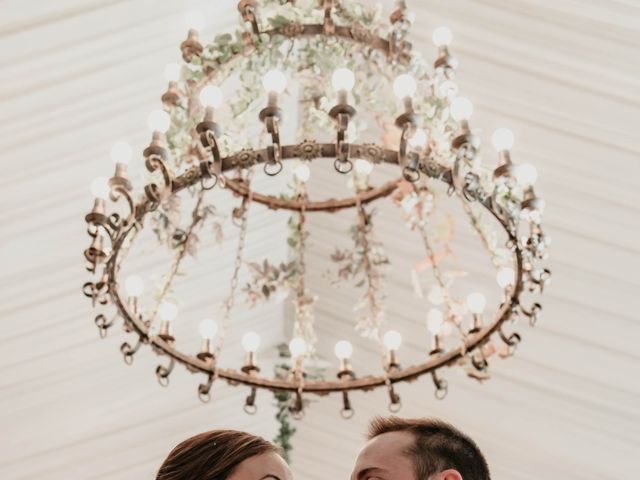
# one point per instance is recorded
(505, 166)
(436, 347)
(121, 178)
(165, 331)
(171, 97)
(191, 46)
(392, 361)
(477, 323)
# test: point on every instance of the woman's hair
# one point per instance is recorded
(212, 455)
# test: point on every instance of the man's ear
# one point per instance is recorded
(449, 474)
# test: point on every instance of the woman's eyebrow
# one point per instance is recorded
(270, 475)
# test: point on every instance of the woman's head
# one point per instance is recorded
(224, 455)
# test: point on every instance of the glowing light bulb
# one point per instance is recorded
(461, 109)
(211, 96)
(476, 302)
(172, 72)
(159, 121)
(435, 321)
(168, 311)
(436, 295)
(502, 139)
(134, 285)
(121, 152)
(274, 81)
(208, 328)
(442, 37)
(392, 340)
(194, 19)
(418, 139)
(526, 174)
(302, 172)
(100, 188)
(404, 86)
(251, 342)
(505, 277)
(363, 167)
(297, 347)
(343, 79)
(343, 350)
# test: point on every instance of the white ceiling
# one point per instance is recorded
(565, 76)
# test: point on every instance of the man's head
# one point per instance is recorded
(418, 449)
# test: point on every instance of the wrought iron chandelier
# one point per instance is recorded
(342, 65)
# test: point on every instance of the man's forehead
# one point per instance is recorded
(390, 443)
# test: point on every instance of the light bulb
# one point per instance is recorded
(194, 19)
(436, 295)
(363, 167)
(100, 188)
(526, 174)
(418, 139)
(172, 72)
(211, 96)
(343, 350)
(502, 139)
(159, 121)
(343, 79)
(505, 277)
(274, 81)
(442, 37)
(461, 109)
(208, 328)
(121, 152)
(134, 285)
(404, 86)
(168, 311)
(297, 347)
(435, 321)
(302, 172)
(476, 302)
(392, 340)
(251, 342)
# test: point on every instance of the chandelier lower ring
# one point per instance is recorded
(233, 376)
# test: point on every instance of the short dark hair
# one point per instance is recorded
(438, 447)
(212, 455)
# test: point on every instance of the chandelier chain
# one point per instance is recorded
(372, 285)
(229, 301)
(196, 218)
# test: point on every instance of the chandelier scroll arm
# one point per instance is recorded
(103, 323)
(162, 372)
(128, 351)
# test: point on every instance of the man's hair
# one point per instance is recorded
(438, 446)
(212, 455)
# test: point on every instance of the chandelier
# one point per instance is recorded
(341, 72)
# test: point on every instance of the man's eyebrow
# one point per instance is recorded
(364, 471)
